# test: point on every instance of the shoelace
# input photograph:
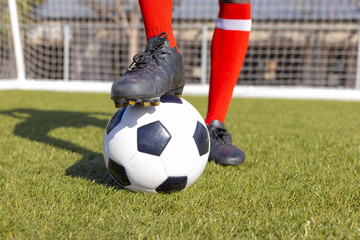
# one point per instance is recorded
(153, 52)
(221, 135)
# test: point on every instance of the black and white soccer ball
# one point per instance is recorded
(158, 149)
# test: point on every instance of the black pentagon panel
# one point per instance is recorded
(118, 172)
(172, 184)
(201, 138)
(115, 120)
(152, 138)
(170, 99)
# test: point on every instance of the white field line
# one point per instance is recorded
(282, 92)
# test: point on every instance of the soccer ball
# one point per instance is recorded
(159, 149)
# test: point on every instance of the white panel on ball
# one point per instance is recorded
(145, 171)
(180, 156)
(138, 115)
(106, 153)
(122, 145)
(193, 111)
(186, 119)
(196, 172)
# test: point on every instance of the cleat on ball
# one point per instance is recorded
(155, 103)
(159, 70)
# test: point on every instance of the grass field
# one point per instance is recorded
(301, 178)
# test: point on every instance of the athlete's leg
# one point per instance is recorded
(228, 50)
(157, 17)
(159, 69)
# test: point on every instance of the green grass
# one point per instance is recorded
(301, 178)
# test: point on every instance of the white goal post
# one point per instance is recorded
(15, 29)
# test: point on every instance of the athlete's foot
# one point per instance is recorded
(156, 72)
(222, 150)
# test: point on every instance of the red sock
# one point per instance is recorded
(228, 51)
(157, 17)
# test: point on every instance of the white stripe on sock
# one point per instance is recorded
(233, 24)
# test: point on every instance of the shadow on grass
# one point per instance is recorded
(37, 124)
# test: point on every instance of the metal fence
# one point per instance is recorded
(299, 43)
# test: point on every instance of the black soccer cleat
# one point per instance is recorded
(156, 72)
(222, 150)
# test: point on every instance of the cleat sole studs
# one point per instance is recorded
(120, 105)
(155, 103)
(145, 102)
